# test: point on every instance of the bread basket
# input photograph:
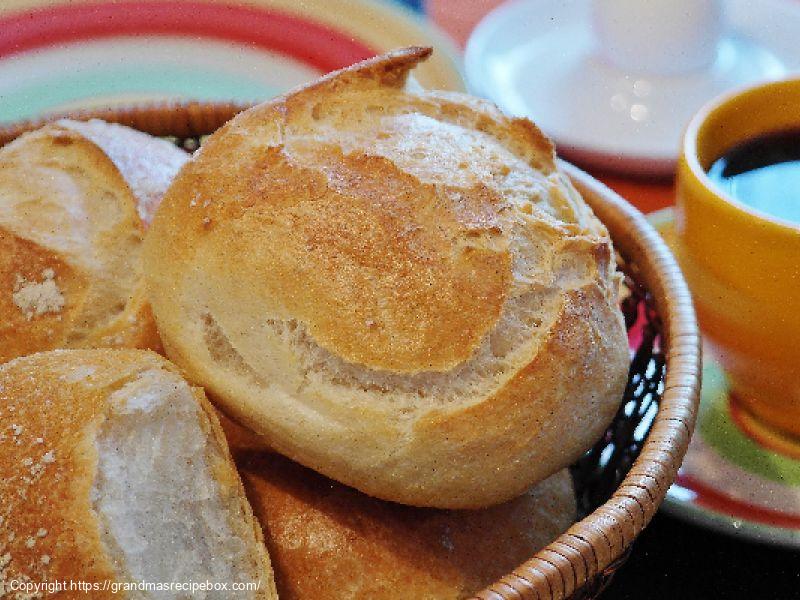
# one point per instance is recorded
(622, 480)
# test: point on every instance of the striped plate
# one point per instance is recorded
(67, 54)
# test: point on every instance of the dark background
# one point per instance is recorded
(675, 560)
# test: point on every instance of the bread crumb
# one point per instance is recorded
(38, 298)
(17, 429)
(45, 559)
(30, 542)
(27, 462)
(41, 533)
(38, 441)
(49, 458)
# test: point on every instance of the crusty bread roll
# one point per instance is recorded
(113, 469)
(330, 542)
(73, 198)
(395, 287)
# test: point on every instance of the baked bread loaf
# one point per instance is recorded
(115, 471)
(394, 287)
(331, 542)
(73, 199)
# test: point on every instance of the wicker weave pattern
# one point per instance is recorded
(580, 562)
(590, 551)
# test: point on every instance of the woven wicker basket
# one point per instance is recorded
(622, 480)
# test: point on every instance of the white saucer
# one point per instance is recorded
(537, 59)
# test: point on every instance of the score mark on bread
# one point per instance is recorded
(395, 287)
(74, 199)
(113, 469)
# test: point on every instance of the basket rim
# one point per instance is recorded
(597, 544)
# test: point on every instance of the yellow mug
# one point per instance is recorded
(743, 266)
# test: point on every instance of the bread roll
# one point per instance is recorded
(394, 287)
(113, 469)
(330, 542)
(73, 198)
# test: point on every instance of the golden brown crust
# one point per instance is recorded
(359, 250)
(368, 265)
(70, 271)
(51, 406)
(47, 466)
(134, 328)
(529, 429)
(328, 541)
(371, 278)
(25, 261)
(531, 408)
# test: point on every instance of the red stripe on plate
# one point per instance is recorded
(715, 500)
(316, 45)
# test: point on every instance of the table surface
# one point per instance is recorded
(672, 559)
(675, 560)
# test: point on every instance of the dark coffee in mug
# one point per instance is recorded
(763, 173)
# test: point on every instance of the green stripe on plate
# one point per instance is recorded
(135, 80)
(719, 430)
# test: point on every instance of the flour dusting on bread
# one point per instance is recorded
(37, 298)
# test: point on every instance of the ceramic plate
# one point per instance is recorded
(736, 477)
(537, 59)
(64, 54)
